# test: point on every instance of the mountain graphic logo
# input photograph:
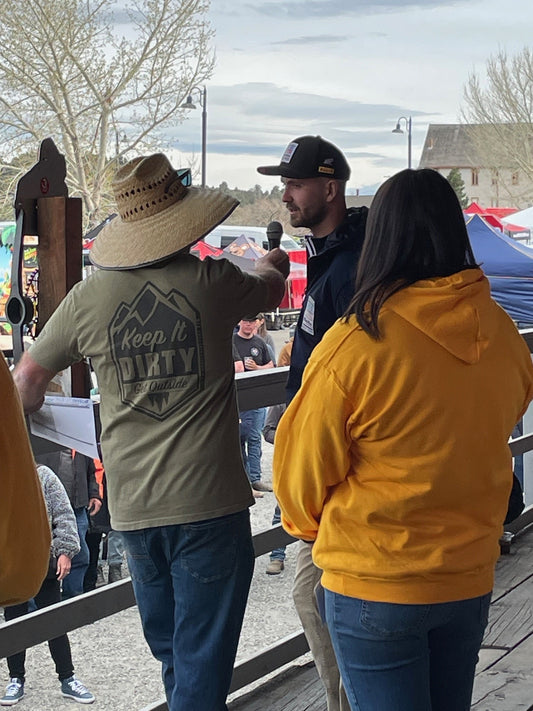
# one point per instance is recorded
(157, 349)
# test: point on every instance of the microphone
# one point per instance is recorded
(274, 232)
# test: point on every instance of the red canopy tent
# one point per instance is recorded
(243, 252)
(202, 250)
(493, 215)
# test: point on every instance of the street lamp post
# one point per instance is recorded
(118, 140)
(189, 104)
(399, 129)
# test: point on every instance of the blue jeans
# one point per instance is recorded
(251, 427)
(407, 657)
(115, 548)
(277, 553)
(191, 584)
(72, 585)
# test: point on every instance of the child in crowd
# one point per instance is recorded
(65, 545)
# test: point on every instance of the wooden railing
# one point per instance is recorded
(256, 389)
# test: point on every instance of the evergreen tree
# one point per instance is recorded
(455, 179)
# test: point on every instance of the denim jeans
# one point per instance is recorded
(277, 553)
(115, 548)
(72, 585)
(407, 657)
(191, 584)
(251, 427)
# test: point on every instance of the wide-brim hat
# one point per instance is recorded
(158, 216)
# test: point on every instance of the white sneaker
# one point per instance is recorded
(14, 692)
(73, 689)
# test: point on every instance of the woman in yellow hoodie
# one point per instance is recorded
(393, 457)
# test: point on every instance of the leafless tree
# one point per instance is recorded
(102, 78)
(499, 110)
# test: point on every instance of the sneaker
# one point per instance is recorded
(73, 689)
(261, 486)
(257, 494)
(275, 566)
(14, 692)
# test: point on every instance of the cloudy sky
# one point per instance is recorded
(344, 69)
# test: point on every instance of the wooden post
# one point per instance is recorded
(59, 222)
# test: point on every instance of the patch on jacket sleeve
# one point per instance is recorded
(308, 320)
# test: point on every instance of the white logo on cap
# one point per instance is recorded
(289, 152)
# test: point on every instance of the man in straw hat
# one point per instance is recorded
(157, 324)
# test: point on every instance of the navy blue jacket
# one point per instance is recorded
(330, 288)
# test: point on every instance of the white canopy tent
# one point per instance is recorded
(523, 218)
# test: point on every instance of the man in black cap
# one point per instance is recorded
(314, 173)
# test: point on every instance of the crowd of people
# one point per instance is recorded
(399, 354)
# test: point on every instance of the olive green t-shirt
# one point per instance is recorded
(160, 342)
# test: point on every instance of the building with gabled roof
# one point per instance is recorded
(449, 146)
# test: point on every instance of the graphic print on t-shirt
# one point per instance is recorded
(156, 346)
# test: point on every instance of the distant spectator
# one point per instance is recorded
(262, 331)
(284, 357)
(277, 557)
(255, 355)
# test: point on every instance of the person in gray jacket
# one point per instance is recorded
(65, 545)
(77, 474)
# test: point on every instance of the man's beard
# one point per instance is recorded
(309, 220)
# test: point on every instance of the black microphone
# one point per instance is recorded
(274, 232)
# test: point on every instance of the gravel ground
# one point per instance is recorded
(112, 658)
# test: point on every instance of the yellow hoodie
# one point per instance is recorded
(394, 453)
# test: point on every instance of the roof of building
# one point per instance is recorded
(453, 145)
(448, 145)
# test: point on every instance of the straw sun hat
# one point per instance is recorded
(157, 215)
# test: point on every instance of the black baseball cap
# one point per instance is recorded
(251, 318)
(310, 157)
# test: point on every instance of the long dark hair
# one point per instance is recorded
(415, 230)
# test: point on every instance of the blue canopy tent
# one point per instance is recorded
(508, 266)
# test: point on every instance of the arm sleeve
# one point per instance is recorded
(236, 354)
(312, 451)
(65, 539)
(284, 357)
(272, 419)
(56, 348)
(240, 293)
(92, 484)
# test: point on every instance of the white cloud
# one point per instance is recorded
(346, 70)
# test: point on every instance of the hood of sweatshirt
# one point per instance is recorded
(453, 311)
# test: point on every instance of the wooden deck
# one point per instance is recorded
(504, 680)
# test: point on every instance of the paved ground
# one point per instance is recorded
(112, 658)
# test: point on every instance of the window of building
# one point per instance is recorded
(475, 176)
(494, 177)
